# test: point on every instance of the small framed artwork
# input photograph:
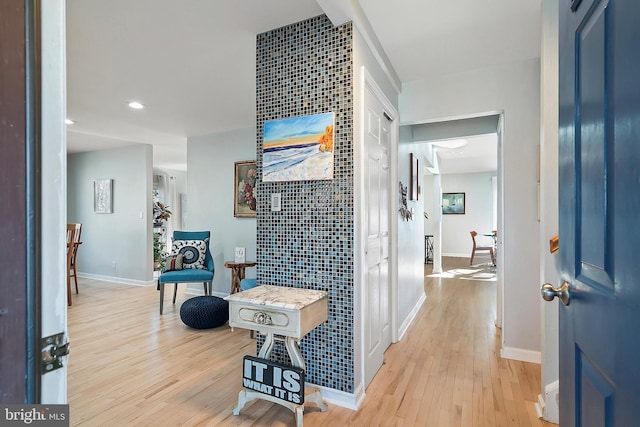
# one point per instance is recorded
(453, 203)
(244, 189)
(413, 182)
(102, 196)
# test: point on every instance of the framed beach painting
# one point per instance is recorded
(298, 148)
(244, 189)
(453, 203)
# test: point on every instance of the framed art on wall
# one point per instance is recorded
(453, 203)
(102, 196)
(298, 148)
(414, 181)
(244, 189)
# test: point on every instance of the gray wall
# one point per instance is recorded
(478, 216)
(514, 89)
(124, 236)
(210, 162)
(410, 237)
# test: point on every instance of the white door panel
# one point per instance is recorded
(376, 207)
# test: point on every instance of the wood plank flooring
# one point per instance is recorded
(129, 366)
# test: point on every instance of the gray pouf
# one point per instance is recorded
(204, 312)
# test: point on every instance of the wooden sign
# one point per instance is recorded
(267, 377)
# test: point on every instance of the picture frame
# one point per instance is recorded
(299, 148)
(103, 196)
(453, 203)
(413, 182)
(245, 179)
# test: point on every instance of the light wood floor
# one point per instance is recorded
(129, 366)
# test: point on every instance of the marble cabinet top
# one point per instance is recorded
(278, 296)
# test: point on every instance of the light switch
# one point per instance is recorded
(276, 205)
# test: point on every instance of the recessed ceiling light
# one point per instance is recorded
(69, 121)
(136, 105)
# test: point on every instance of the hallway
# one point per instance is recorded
(144, 369)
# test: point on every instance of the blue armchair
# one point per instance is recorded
(189, 275)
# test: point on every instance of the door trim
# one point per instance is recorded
(367, 82)
(33, 142)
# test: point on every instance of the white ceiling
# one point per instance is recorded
(480, 154)
(192, 62)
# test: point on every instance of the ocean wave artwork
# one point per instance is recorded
(298, 148)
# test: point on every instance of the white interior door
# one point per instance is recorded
(377, 324)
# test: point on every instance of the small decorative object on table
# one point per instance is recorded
(240, 252)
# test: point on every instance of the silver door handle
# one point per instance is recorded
(549, 292)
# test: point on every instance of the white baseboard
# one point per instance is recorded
(122, 280)
(199, 291)
(412, 315)
(332, 396)
(520, 354)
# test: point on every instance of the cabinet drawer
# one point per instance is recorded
(279, 310)
(263, 319)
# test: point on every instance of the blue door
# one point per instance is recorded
(600, 212)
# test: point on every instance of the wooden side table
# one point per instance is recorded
(237, 273)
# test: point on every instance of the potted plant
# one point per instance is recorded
(159, 254)
(161, 213)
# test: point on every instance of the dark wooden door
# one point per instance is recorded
(599, 211)
(19, 327)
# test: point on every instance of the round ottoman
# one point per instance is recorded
(204, 312)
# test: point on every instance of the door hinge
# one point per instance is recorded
(54, 348)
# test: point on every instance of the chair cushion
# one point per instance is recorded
(173, 262)
(193, 252)
(186, 275)
(204, 312)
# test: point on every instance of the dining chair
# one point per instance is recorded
(74, 255)
(71, 231)
(477, 248)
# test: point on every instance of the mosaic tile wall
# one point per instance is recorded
(307, 68)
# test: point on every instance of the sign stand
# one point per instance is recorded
(312, 394)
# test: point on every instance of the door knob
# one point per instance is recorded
(549, 292)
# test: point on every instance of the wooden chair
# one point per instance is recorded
(71, 231)
(74, 255)
(477, 248)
